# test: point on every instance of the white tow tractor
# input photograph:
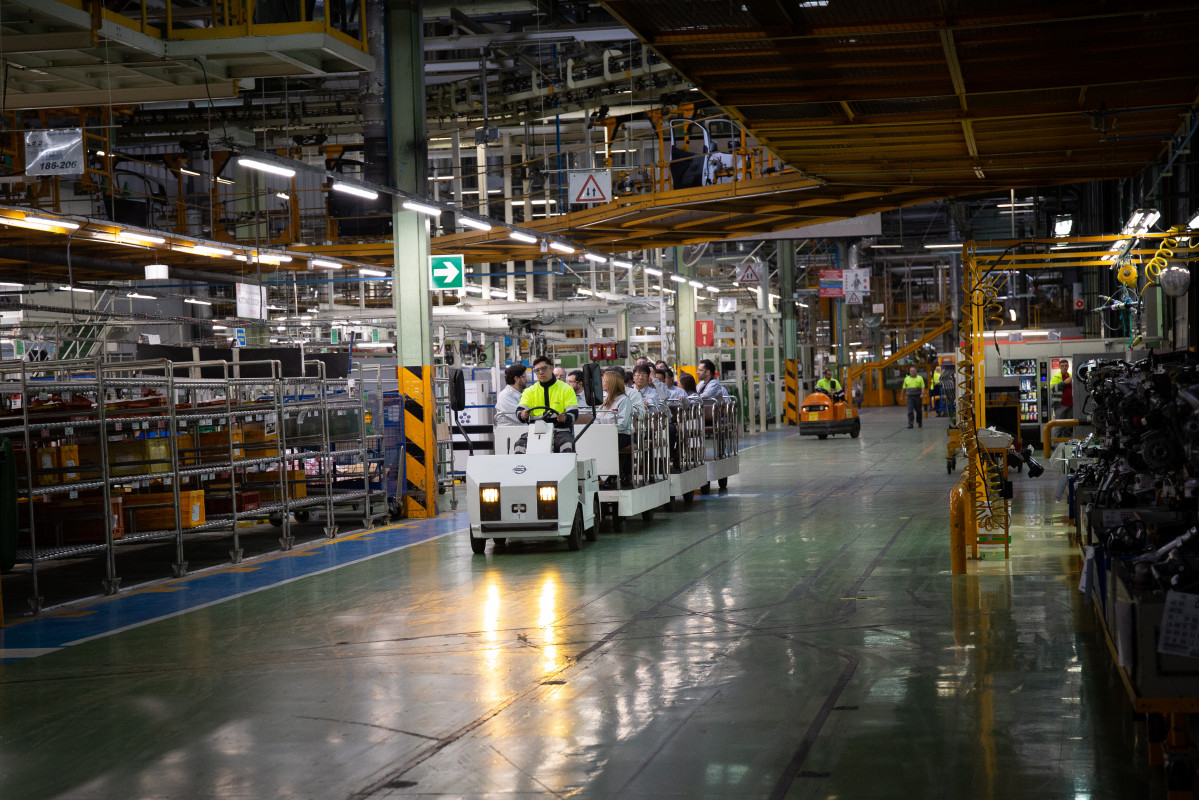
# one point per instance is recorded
(538, 494)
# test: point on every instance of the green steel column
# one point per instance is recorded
(406, 98)
(410, 236)
(684, 313)
(786, 260)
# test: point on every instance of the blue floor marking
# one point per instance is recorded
(86, 621)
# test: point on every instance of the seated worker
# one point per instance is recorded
(673, 391)
(554, 395)
(659, 382)
(631, 392)
(709, 385)
(828, 384)
(509, 397)
(687, 384)
(574, 379)
(644, 384)
(619, 413)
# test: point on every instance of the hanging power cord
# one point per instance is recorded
(1161, 259)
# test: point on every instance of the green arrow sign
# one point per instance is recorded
(446, 272)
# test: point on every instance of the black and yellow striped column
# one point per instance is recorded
(791, 390)
(420, 443)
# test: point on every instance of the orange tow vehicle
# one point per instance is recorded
(822, 414)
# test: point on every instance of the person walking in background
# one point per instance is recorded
(935, 392)
(913, 386)
(509, 397)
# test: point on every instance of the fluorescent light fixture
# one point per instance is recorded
(205, 250)
(101, 153)
(320, 263)
(225, 181)
(56, 223)
(1028, 204)
(186, 171)
(561, 248)
(442, 178)
(372, 273)
(76, 289)
(25, 223)
(941, 246)
(275, 308)
(712, 289)
(582, 291)
(622, 264)
(196, 302)
(473, 288)
(1140, 222)
(1194, 223)
(265, 166)
(496, 294)
(284, 196)
(598, 259)
(1011, 312)
(12, 285)
(522, 237)
(1062, 226)
(653, 271)
(139, 238)
(471, 222)
(678, 278)
(216, 327)
(136, 296)
(423, 208)
(886, 246)
(357, 191)
(157, 272)
(697, 284)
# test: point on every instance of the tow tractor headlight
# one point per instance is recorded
(547, 500)
(489, 502)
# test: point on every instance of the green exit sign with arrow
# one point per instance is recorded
(446, 272)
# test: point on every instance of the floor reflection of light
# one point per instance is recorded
(491, 624)
(545, 620)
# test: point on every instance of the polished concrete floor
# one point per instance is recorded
(799, 636)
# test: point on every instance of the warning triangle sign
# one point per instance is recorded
(748, 275)
(590, 192)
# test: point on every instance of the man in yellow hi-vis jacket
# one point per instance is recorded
(913, 387)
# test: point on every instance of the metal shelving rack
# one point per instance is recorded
(98, 404)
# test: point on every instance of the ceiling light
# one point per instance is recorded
(101, 153)
(652, 271)
(224, 181)
(496, 294)
(582, 291)
(886, 246)
(357, 191)
(1140, 222)
(561, 248)
(266, 166)
(1062, 226)
(136, 296)
(1011, 312)
(12, 285)
(522, 237)
(978, 173)
(423, 208)
(598, 259)
(320, 263)
(477, 224)
(622, 264)
(220, 327)
(678, 279)
(56, 223)
(696, 284)
(186, 171)
(712, 289)
(26, 223)
(284, 196)
(157, 272)
(139, 238)
(1028, 204)
(205, 250)
(372, 273)
(941, 246)
(193, 301)
(76, 289)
